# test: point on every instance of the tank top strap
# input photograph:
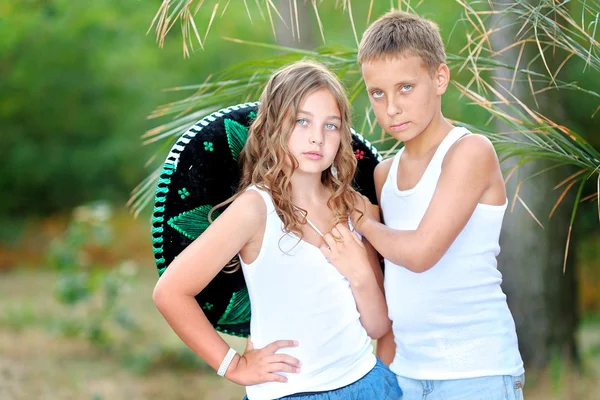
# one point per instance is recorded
(453, 136)
(266, 197)
(392, 175)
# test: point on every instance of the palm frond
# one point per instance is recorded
(549, 31)
(547, 27)
(185, 11)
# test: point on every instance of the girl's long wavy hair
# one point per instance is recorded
(263, 158)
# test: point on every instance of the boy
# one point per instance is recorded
(443, 200)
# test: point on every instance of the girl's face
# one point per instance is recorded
(316, 136)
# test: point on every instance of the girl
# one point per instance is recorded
(316, 300)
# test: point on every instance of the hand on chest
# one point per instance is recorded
(318, 222)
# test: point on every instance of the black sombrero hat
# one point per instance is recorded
(201, 171)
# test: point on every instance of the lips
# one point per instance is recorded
(399, 127)
(313, 155)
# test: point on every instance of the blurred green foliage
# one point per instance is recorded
(91, 293)
(79, 78)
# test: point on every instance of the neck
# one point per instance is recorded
(307, 188)
(430, 138)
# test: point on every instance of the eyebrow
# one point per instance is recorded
(399, 83)
(310, 114)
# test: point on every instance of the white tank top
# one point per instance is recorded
(451, 321)
(296, 294)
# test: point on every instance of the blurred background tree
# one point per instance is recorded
(77, 81)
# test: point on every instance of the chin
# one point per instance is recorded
(310, 171)
(404, 136)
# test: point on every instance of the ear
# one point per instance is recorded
(442, 78)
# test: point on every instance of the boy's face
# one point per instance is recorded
(404, 94)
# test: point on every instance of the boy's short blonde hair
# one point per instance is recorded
(398, 33)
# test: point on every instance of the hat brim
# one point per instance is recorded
(202, 171)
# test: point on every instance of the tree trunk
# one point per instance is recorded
(543, 300)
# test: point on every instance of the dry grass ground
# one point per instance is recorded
(36, 364)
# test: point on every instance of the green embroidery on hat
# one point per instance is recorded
(208, 146)
(183, 193)
(236, 136)
(192, 223)
(238, 309)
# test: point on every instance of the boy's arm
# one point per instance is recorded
(469, 170)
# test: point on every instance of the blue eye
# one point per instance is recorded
(331, 127)
(406, 88)
(301, 121)
(377, 94)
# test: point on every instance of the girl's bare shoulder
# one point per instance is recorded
(250, 206)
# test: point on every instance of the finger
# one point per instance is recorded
(283, 358)
(343, 230)
(356, 238)
(352, 240)
(329, 240)
(282, 367)
(348, 236)
(274, 378)
(336, 234)
(280, 344)
(326, 251)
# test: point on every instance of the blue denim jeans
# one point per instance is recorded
(379, 384)
(484, 388)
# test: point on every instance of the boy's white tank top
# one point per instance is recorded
(296, 294)
(451, 321)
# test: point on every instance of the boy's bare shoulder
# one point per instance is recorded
(382, 169)
(475, 150)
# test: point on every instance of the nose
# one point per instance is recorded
(317, 136)
(393, 106)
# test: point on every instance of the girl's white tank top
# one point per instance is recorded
(296, 294)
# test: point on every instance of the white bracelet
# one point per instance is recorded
(226, 361)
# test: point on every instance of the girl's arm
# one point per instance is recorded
(373, 310)
(359, 263)
(470, 174)
(242, 223)
(386, 348)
